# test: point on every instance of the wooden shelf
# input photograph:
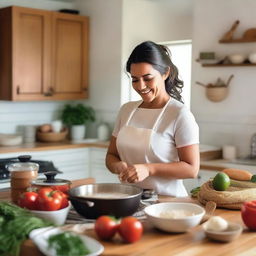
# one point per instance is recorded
(238, 40)
(229, 65)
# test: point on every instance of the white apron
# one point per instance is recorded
(134, 147)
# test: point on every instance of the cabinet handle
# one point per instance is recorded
(18, 89)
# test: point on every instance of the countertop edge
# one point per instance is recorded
(40, 146)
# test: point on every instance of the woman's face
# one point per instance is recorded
(148, 82)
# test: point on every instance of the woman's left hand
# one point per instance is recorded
(134, 173)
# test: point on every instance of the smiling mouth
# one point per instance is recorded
(145, 92)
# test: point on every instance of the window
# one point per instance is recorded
(181, 57)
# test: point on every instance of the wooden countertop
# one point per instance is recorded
(154, 242)
(42, 146)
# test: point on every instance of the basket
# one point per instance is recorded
(232, 198)
(52, 136)
(216, 93)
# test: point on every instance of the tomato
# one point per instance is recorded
(48, 200)
(63, 197)
(105, 227)
(130, 229)
(248, 213)
(28, 200)
(63, 188)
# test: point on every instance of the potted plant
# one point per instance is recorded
(77, 116)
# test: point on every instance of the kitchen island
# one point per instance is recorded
(155, 242)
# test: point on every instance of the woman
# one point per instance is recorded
(155, 142)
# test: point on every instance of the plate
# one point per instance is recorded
(40, 236)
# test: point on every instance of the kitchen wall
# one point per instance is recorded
(116, 27)
(232, 121)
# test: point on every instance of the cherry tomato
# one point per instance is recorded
(105, 227)
(48, 200)
(28, 200)
(130, 229)
(248, 213)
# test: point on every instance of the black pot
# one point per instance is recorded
(94, 200)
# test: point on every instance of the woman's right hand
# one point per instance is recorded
(119, 167)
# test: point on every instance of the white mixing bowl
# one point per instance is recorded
(174, 217)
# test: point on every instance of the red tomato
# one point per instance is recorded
(63, 188)
(63, 197)
(48, 200)
(248, 213)
(28, 200)
(105, 227)
(130, 229)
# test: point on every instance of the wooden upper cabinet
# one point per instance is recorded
(70, 55)
(43, 55)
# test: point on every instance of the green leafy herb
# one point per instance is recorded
(195, 191)
(77, 114)
(10, 211)
(68, 244)
(15, 225)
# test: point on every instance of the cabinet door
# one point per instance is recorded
(31, 53)
(70, 55)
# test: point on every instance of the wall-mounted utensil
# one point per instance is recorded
(217, 91)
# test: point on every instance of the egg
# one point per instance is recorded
(216, 223)
(45, 128)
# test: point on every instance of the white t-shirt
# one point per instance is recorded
(177, 126)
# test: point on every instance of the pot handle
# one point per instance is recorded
(89, 203)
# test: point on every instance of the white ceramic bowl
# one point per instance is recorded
(232, 232)
(57, 217)
(10, 139)
(236, 58)
(179, 223)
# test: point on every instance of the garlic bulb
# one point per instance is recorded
(216, 223)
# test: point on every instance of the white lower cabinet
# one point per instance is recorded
(74, 163)
(98, 169)
(203, 176)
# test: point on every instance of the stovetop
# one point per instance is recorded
(44, 166)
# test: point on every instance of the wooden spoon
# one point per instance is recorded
(209, 210)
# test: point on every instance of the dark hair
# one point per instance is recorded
(159, 56)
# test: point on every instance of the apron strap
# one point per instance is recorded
(134, 109)
(160, 115)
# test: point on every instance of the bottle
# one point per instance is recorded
(22, 174)
(103, 132)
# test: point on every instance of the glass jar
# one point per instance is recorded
(22, 174)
